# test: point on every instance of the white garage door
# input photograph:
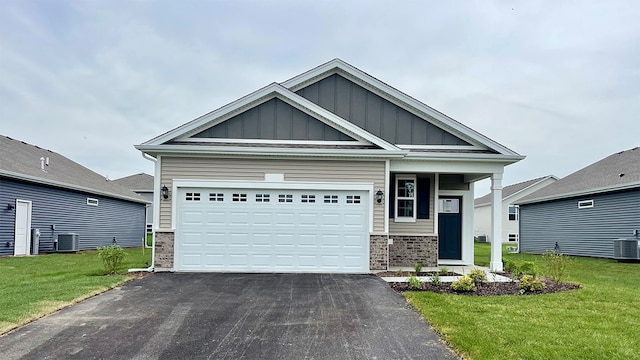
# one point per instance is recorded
(272, 230)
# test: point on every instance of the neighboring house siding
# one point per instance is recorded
(273, 120)
(584, 232)
(255, 169)
(149, 197)
(375, 114)
(69, 212)
(421, 226)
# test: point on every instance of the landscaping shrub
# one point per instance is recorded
(530, 283)
(415, 282)
(557, 264)
(465, 284)
(527, 268)
(111, 256)
(417, 267)
(509, 265)
(444, 271)
(435, 279)
(478, 276)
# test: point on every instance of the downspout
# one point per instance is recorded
(153, 236)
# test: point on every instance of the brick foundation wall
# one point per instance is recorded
(407, 250)
(164, 250)
(378, 255)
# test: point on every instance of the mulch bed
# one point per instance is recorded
(488, 289)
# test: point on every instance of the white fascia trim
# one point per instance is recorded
(509, 159)
(59, 184)
(272, 185)
(444, 120)
(529, 187)
(441, 147)
(263, 141)
(582, 193)
(262, 151)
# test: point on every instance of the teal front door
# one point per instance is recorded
(450, 228)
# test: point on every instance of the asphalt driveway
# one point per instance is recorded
(233, 316)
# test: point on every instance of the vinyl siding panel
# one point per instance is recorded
(68, 210)
(584, 232)
(375, 114)
(255, 169)
(421, 226)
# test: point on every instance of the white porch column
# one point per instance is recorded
(496, 222)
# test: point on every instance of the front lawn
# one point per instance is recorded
(34, 286)
(599, 321)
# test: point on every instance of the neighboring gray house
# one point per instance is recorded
(330, 171)
(510, 219)
(41, 189)
(583, 213)
(141, 184)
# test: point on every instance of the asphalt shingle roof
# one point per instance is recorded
(510, 190)
(617, 171)
(137, 182)
(20, 160)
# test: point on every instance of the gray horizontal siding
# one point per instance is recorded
(273, 120)
(375, 114)
(68, 210)
(584, 232)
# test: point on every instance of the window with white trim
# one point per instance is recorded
(92, 201)
(514, 212)
(216, 197)
(262, 198)
(585, 204)
(192, 196)
(513, 237)
(405, 198)
(308, 198)
(239, 197)
(331, 199)
(353, 199)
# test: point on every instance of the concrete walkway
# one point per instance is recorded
(461, 270)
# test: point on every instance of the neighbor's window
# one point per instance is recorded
(405, 198)
(513, 237)
(585, 204)
(92, 201)
(514, 212)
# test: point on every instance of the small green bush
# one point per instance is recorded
(478, 276)
(527, 268)
(399, 272)
(444, 271)
(530, 283)
(112, 256)
(415, 282)
(417, 267)
(557, 264)
(465, 284)
(435, 279)
(509, 265)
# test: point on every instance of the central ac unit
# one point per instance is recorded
(625, 249)
(482, 238)
(67, 243)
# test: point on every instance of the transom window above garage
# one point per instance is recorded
(331, 199)
(262, 198)
(192, 196)
(308, 198)
(239, 197)
(353, 199)
(216, 197)
(285, 198)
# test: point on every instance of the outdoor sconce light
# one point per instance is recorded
(379, 196)
(165, 192)
(10, 207)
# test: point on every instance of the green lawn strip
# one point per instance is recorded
(149, 240)
(34, 286)
(598, 321)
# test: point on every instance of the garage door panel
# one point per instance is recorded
(306, 231)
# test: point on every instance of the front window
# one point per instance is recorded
(514, 212)
(405, 198)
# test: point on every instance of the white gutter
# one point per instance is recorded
(153, 237)
(262, 151)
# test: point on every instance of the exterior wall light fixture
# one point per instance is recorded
(379, 196)
(165, 192)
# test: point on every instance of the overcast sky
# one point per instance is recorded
(557, 81)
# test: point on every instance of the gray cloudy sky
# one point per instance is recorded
(557, 81)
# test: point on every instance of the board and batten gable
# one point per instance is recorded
(375, 114)
(243, 169)
(583, 232)
(70, 213)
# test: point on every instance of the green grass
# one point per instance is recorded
(34, 286)
(599, 321)
(149, 240)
